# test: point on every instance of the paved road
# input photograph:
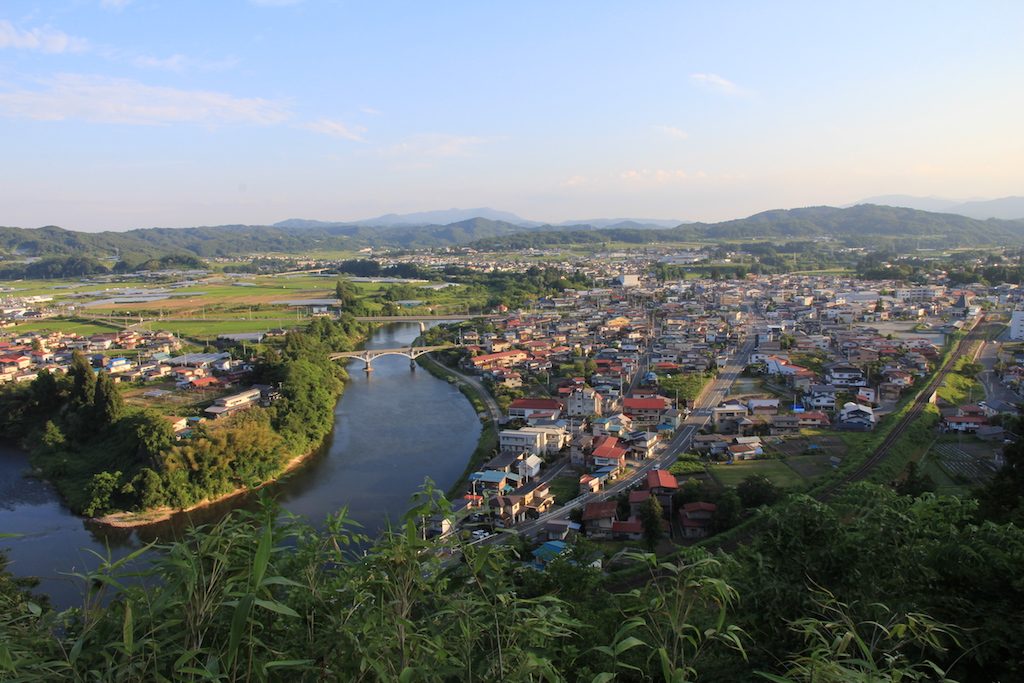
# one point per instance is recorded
(492, 405)
(995, 393)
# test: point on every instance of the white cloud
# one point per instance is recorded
(575, 181)
(179, 63)
(100, 99)
(371, 111)
(336, 129)
(175, 62)
(716, 82)
(44, 39)
(114, 4)
(660, 176)
(436, 145)
(673, 132)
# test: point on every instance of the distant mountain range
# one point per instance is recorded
(866, 225)
(449, 216)
(1007, 208)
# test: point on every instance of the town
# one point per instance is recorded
(640, 409)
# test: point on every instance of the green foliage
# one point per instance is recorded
(688, 385)
(757, 490)
(873, 587)
(681, 467)
(650, 518)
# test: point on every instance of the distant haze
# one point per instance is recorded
(134, 113)
(1007, 208)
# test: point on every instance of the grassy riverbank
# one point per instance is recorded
(488, 441)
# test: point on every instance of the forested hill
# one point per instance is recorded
(862, 225)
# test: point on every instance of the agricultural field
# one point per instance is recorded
(165, 398)
(777, 471)
(958, 464)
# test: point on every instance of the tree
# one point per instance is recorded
(650, 518)
(101, 492)
(107, 404)
(83, 381)
(727, 510)
(757, 490)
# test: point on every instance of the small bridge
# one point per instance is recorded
(370, 355)
(422, 319)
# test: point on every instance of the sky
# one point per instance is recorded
(118, 114)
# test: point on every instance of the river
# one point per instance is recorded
(393, 428)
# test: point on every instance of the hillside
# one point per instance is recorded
(861, 225)
(1007, 208)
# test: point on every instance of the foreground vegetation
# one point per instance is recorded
(873, 586)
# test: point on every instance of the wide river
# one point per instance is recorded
(393, 428)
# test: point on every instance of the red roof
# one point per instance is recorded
(638, 496)
(699, 507)
(661, 479)
(599, 510)
(643, 404)
(631, 526)
(536, 404)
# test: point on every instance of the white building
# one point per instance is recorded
(1017, 326)
(531, 442)
(584, 402)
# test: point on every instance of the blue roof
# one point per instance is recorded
(489, 476)
(549, 550)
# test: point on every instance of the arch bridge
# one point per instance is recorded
(370, 355)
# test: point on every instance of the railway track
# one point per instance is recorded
(965, 347)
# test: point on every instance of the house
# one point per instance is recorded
(584, 402)
(821, 397)
(522, 408)
(507, 511)
(599, 517)
(728, 414)
(696, 519)
(521, 440)
(547, 552)
(784, 425)
(844, 375)
(608, 453)
(646, 411)
(611, 425)
(502, 359)
(589, 484)
(529, 467)
(637, 499)
(763, 406)
(966, 424)
(628, 530)
(857, 415)
(229, 405)
(813, 418)
(662, 484)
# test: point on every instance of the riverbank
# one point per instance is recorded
(488, 441)
(132, 520)
(156, 515)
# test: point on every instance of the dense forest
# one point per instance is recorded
(871, 586)
(105, 456)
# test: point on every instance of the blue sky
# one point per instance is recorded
(137, 113)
